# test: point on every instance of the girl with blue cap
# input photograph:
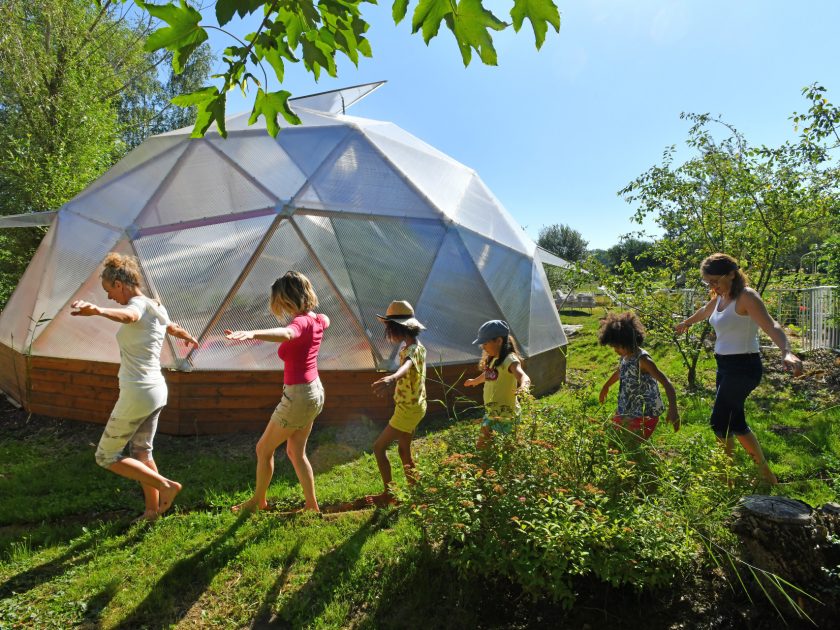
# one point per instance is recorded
(502, 376)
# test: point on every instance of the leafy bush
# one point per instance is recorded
(567, 495)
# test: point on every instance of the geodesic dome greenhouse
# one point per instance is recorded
(366, 210)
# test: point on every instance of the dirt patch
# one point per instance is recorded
(820, 380)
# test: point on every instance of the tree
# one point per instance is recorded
(145, 107)
(756, 203)
(563, 241)
(633, 250)
(314, 33)
(66, 65)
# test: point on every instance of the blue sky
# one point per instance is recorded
(556, 133)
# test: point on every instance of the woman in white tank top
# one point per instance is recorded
(736, 313)
(143, 392)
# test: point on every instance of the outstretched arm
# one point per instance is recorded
(119, 315)
(178, 331)
(472, 382)
(381, 387)
(523, 379)
(277, 335)
(649, 367)
(704, 312)
(756, 309)
(612, 380)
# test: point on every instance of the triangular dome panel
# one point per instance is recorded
(442, 179)
(479, 211)
(78, 248)
(263, 159)
(454, 303)
(344, 345)
(18, 319)
(507, 274)
(546, 331)
(387, 259)
(360, 180)
(204, 184)
(192, 271)
(155, 148)
(120, 201)
(310, 147)
(319, 234)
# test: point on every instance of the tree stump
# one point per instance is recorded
(790, 539)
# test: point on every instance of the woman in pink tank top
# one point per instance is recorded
(736, 312)
(303, 394)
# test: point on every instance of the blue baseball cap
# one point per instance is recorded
(492, 329)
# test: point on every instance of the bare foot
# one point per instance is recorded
(251, 505)
(167, 496)
(381, 500)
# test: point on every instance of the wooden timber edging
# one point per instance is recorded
(211, 402)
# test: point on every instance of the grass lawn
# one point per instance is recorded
(69, 555)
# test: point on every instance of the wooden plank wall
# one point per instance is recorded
(225, 402)
(13, 373)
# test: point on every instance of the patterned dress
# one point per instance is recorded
(638, 393)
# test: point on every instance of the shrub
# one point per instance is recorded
(566, 495)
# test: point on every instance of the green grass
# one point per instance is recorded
(70, 557)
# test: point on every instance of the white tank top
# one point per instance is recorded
(736, 334)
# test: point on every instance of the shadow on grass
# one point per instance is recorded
(264, 617)
(331, 570)
(75, 556)
(184, 583)
(96, 604)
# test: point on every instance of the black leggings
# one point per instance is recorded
(737, 375)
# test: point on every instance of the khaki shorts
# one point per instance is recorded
(138, 433)
(300, 405)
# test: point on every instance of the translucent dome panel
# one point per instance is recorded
(120, 201)
(358, 179)
(204, 184)
(387, 259)
(16, 325)
(153, 148)
(194, 270)
(79, 246)
(454, 303)
(479, 211)
(440, 178)
(85, 338)
(344, 346)
(319, 234)
(262, 158)
(546, 331)
(310, 147)
(507, 274)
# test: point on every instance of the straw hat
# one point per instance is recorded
(401, 312)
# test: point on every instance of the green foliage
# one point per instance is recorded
(315, 33)
(635, 251)
(755, 203)
(563, 241)
(76, 92)
(567, 497)
(648, 292)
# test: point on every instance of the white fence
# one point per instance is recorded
(813, 311)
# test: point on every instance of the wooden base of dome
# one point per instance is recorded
(226, 402)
